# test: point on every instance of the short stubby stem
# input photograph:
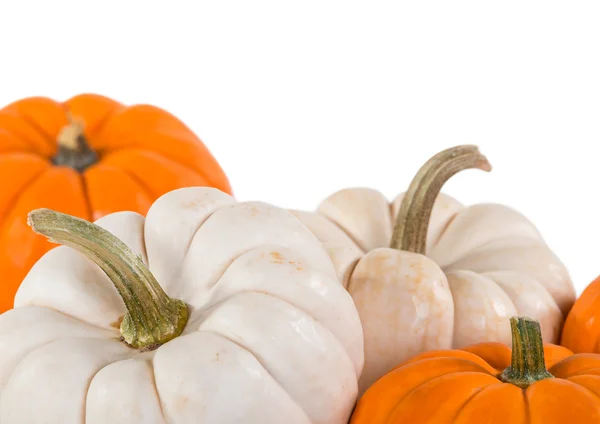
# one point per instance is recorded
(412, 222)
(528, 364)
(152, 318)
(73, 148)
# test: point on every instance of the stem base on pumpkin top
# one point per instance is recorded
(152, 318)
(412, 222)
(527, 363)
(73, 148)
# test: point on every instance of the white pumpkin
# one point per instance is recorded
(449, 276)
(268, 334)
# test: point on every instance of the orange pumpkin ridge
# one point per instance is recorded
(461, 386)
(581, 332)
(88, 156)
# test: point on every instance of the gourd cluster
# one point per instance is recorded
(136, 289)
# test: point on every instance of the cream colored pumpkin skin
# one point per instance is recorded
(484, 264)
(271, 337)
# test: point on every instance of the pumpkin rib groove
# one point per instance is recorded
(527, 414)
(161, 406)
(440, 355)
(73, 317)
(583, 383)
(79, 321)
(86, 197)
(162, 156)
(325, 329)
(583, 372)
(493, 249)
(101, 123)
(99, 204)
(486, 245)
(198, 173)
(258, 361)
(18, 142)
(37, 128)
(597, 345)
(87, 388)
(383, 397)
(455, 318)
(349, 272)
(22, 359)
(596, 395)
(136, 144)
(230, 262)
(209, 306)
(19, 135)
(537, 280)
(143, 186)
(469, 399)
(61, 340)
(15, 199)
(39, 105)
(189, 245)
(497, 363)
(398, 402)
(200, 224)
(301, 309)
(420, 360)
(272, 378)
(143, 246)
(47, 343)
(557, 369)
(512, 302)
(558, 389)
(432, 382)
(392, 215)
(345, 231)
(443, 231)
(23, 152)
(29, 154)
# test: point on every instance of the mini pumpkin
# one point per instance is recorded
(428, 273)
(88, 156)
(581, 332)
(489, 383)
(206, 311)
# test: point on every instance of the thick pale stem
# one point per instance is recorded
(527, 364)
(73, 148)
(152, 318)
(410, 231)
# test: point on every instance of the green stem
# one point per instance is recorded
(527, 364)
(152, 318)
(73, 148)
(410, 231)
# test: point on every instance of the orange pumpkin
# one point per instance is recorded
(581, 331)
(88, 157)
(485, 383)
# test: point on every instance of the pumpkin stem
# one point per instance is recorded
(152, 318)
(73, 149)
(527, 364)
(410, 231)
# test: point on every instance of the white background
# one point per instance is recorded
(300, 99)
